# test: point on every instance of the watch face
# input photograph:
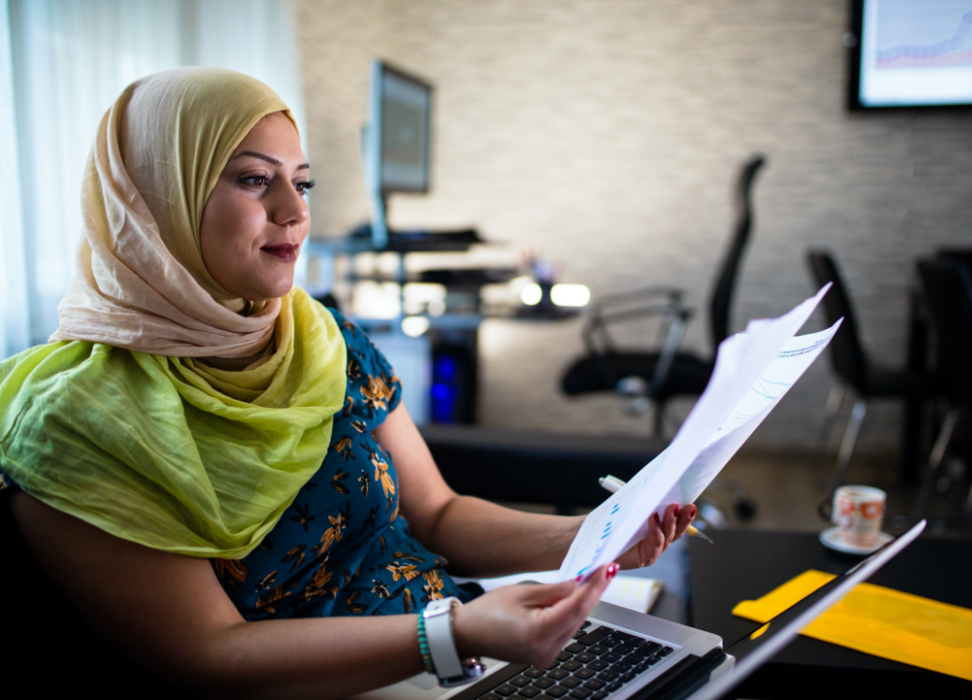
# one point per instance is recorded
(437, 607)
(472, 669)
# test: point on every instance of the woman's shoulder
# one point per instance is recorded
(367, 357)
(374, 389)
(351, 331)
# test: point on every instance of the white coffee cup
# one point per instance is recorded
(858, 514)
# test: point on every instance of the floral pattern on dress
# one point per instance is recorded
(342, 547)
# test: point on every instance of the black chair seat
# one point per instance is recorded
(688, 373)
(688, 376)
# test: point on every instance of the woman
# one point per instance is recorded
(166, 449)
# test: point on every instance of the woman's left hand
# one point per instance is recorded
(661, 533)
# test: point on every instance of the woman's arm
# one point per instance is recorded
(480, 538)
(169, 613)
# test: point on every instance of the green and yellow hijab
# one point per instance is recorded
(113, 421)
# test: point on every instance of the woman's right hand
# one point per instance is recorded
(527, 623)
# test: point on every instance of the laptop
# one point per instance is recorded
(620, 654)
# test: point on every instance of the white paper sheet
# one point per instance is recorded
(753, 371)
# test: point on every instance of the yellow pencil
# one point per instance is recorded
(693, 531)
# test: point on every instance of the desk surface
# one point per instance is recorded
(746, 564)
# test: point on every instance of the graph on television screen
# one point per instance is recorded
(916, 53)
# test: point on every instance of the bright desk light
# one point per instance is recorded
(415, 326)
(560, 295)
(531, 294)
(376, 300)
(570, 295)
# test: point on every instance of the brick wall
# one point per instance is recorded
(607, 134)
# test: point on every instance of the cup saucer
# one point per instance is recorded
(830, 538)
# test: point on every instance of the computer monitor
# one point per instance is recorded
(397, 153)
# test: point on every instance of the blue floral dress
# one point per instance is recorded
(342, 548)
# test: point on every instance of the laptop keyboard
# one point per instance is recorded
(598, 662)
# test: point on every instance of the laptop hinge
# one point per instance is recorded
(684, 678)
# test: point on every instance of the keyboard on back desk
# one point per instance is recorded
(592, 667)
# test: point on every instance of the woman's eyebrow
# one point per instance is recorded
(269, 159)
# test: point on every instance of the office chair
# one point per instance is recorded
(660, 374)
(852, 366)
(948, 289)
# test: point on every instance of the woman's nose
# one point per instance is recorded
(289, 207)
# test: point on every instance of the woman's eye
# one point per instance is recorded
(304, 187)
(256, 180)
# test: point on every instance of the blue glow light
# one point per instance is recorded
(445, 368)
(440, 392)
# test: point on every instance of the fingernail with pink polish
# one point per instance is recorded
(578, 579)
(612, 571)
(676, 511)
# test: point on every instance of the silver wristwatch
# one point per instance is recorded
(450, 670)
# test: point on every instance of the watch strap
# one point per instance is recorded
(442, 645)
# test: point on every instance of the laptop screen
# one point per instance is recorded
(757, 647)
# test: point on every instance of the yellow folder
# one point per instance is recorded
(880, 621)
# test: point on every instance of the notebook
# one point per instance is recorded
(619, 654)
(633, 592)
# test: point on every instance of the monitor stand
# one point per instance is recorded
(379, 222)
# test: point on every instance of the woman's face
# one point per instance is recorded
(256, 217)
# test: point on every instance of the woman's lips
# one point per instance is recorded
(286, 252)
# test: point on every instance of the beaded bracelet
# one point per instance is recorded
(424, 645)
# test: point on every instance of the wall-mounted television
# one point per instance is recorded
(397, 147)
(910, 53)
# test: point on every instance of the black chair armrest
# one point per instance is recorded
(664, 302)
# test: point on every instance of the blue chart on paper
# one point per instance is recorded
(769, 389)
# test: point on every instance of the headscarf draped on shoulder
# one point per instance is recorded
(113, 421)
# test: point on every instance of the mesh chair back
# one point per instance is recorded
(722, 293)
(847, 355)
(948, 289)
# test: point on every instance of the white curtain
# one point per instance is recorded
(14, 302)
(62, 64)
